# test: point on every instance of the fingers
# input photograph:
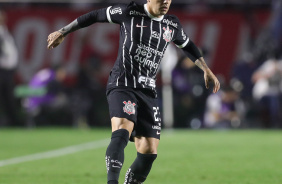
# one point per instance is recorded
(54, 39)
(210, 77)
(55, 45)
(216, 86)
(52, 45)
(207, 83)
(50, 41)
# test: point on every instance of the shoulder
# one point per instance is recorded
(131, 5)
(172, 17)
(136, 8)
(124, 7)
(171, 20)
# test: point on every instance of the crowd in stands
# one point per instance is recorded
(252, 98)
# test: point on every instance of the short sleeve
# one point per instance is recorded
(181, 39)
(117, 13)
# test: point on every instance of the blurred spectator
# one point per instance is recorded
(224, 109)
(189, 93)
(51, 105)
(168, 64)
(241, 81)
(267, 91)
(269, 40)
(276, 24)
(241, 73)
(89, 90)
(8, 64)
(252, 22)
(256, 82)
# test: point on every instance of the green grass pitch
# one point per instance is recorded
(184, 157)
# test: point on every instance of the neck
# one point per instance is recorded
(150, 14)
(150, 10)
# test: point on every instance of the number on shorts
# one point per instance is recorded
(156, 112)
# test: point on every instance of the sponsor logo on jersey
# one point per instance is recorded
(146, 62)
(155, 34)
(115, 11)
(129, 107)
(144, 49)
(169, 22)
(136, 13)
(167, 34)
(143, 55)
(147, 81)
(183, 34)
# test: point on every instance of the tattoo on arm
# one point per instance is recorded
(73, 26)
(201, 64)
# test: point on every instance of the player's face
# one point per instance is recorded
(158, 7)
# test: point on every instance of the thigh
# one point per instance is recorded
(146, 145)
(122, 108)
(148, 118)
(122, 104)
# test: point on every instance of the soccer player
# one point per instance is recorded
(145, 32)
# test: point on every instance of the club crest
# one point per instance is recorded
(167, 34)
(129, 107)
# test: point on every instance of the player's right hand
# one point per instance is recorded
(55, 39)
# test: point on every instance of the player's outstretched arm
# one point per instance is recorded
(208, 74)
(57, 37)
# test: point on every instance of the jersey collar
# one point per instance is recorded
(151, 16)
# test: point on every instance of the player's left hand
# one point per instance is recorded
(210, 77)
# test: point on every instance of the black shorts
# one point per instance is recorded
(139, 106)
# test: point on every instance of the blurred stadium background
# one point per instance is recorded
(241, 41)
